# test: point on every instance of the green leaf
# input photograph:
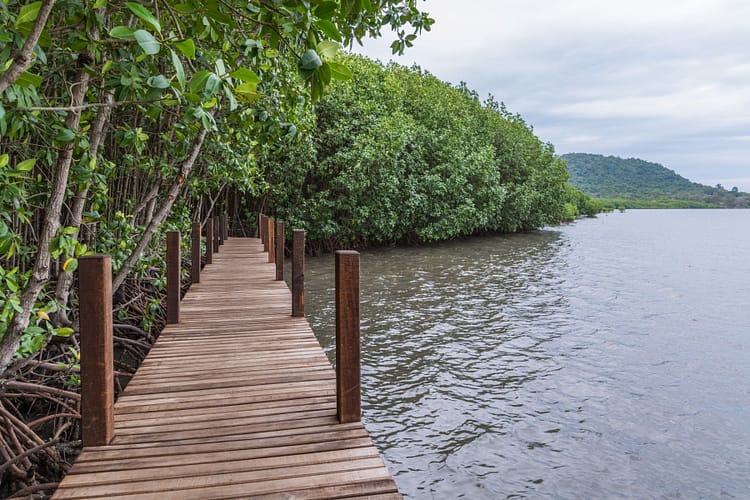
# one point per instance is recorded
(327, 49)
(230, 96)
(179, 70)
(65, 135)
(99, 4)
(329, 29)
(122, 32)
(339, 71)
(213, 83)
(220, 67)
(4, 160)
(29, 80)
(145, 15)
(158, 82)
(246, 92)
(326, 10)
(26, 165)
(28, 13)
(192, 97)
(245, 75)
(198, 82)
(310, 61)
(184, 8)
(187, 47)
(325, 74)
(148, 43)
(64, 331)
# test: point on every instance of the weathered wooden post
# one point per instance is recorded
(260, 226)
(348, 390)
(209, 241)
(215, 236)
(97, 358)
(271, 242)
(279, 237)
(264, 231)
(298, 273)
(220, 229)
(195, 250)
(173, 277)
(226, 226)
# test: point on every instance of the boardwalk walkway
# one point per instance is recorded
(236, 401)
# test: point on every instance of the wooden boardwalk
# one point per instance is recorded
(238, 400)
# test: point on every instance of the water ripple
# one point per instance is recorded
(607, 359)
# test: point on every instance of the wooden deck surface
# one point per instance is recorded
(236, 401)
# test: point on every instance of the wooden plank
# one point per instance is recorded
(258, 437)
(221, 462)
(157, 454)
(237, 400)
(188, 487)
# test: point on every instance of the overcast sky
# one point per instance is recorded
(666, 81)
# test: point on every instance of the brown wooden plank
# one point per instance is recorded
(162, 455)
(250, 439)
(189, 486)
(187, 466)
(237, 400)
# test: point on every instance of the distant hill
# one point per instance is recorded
(634, 183)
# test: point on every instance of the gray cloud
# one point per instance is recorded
(665, 81)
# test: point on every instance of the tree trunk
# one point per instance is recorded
(161, 213)
(96, 137)
(22, 58)
(41, 271)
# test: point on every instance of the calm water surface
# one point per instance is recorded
(605, 359)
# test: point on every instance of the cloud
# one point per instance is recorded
(665, 81)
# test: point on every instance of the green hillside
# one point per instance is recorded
(634, 183)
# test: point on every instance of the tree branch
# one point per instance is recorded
(23, 57)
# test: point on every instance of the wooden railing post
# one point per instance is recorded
(271, 242)
(97, 357)
(209, 241)
(259, 232)
(264, 231)
(220, 229)
(348, 390)
(226, 226)
(298, 273)
(279, 237)
(215, 236)
(195, 250)
(173, 277)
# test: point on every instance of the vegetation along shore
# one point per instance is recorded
(119, 123)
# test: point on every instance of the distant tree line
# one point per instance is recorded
(634, 183)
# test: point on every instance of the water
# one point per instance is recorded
(604, 359)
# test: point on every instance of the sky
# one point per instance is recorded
(667, 81)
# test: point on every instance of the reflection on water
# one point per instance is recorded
(606, 359)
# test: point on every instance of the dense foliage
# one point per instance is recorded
(119, 120)
(634, 183)
(398, 155)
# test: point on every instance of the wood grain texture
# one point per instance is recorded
(209, 241)
(195, 253)
(173, 277)
(298, 273)
(238, 400)
(348, 390)
(279, 238)
(97, 356)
